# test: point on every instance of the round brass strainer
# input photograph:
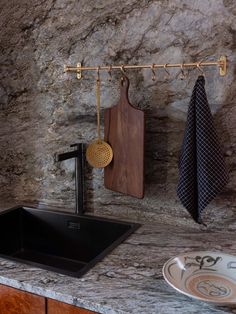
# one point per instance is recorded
(99, 153)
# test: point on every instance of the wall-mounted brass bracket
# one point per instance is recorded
(79, 75)
(223, 65)
(77, 69)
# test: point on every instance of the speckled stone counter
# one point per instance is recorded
(129, 280)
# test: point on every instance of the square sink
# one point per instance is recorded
(58, 241)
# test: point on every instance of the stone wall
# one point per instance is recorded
(43, 110)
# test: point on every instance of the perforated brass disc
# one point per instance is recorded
(99, 154)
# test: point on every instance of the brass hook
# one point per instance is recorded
(153, 72)
(123, 72)
(198, 65)
(122, 69)
(182, 74)
(167, 72)
(109, 72)
(98, 74)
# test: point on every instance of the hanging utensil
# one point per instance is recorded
(124, 129)
(99, 153)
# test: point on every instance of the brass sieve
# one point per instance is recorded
(99, 153)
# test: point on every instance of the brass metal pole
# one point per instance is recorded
(221, 63)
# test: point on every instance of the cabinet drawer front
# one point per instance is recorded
(14, 301)
(56, 307)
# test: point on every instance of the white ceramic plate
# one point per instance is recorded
(206, 276)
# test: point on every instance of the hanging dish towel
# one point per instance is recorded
(202, 170)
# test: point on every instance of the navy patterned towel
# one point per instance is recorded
(202, 170)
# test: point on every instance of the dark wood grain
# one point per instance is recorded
(56, 307)
(124, 130)
(14, 301)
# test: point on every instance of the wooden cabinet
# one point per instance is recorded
(56, 307)
(14, 301)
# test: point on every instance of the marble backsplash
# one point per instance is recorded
(43, 110)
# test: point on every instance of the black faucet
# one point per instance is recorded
(78, 154)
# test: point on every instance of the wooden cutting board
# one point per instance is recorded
(124, 131)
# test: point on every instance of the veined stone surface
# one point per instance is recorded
(43, 110)
(129, 280)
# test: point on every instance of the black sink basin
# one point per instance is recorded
(58, 241)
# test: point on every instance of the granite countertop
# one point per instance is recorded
(129, 279)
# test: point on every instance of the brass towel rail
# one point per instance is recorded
(221, 64)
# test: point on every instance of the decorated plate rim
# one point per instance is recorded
(192, 295)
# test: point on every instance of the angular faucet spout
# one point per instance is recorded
(66, 156)
(78, 154)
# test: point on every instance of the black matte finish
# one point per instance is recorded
(58, 241)
(78, 154)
